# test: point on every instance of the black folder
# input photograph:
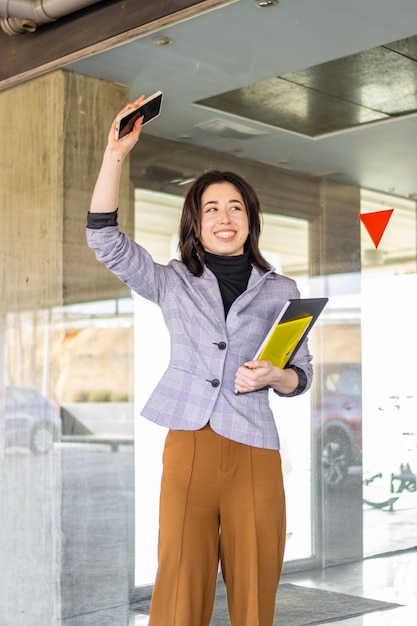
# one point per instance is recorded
(291, 327)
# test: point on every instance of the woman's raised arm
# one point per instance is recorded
(105, 196)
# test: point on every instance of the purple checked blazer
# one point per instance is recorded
(206, 349)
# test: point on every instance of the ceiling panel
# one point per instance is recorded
(358, 89)
(291, 106)
(407, 47)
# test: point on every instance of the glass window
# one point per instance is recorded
(389, 362)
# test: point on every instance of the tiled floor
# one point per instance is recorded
(390, 578)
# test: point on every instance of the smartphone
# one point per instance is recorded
(149, 108)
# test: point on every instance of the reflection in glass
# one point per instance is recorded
(31, 420)
(67, 476)
(389, 301)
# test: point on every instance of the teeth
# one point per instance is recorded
(225, 235)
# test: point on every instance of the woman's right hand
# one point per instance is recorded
(125, 145)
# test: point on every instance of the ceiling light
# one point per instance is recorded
(266, 3)
(230, 130)
(183, 180)
(162, 41)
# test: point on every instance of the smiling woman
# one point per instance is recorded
(213, 397)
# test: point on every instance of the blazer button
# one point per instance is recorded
(222, 345)
(215, 382)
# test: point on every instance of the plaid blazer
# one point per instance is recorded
(206, 349)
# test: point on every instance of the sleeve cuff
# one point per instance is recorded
(95, 221)
(302, 382)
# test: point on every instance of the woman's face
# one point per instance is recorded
(224, 220)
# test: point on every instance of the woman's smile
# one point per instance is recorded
(226, 234)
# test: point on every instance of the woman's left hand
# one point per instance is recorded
(254, 375)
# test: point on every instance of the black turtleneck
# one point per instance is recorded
(232, 273)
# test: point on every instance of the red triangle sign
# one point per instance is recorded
(376, 223)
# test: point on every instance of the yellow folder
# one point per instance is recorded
(282, 340)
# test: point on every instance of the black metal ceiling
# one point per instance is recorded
(369, 86)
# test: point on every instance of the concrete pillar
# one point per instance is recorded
(53, 132)
(336, 261)
(336, 232)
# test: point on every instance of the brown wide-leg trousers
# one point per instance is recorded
(220, 500)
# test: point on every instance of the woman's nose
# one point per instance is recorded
(224, 216)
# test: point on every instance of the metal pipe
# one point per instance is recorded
(21, 16)
(16, 26)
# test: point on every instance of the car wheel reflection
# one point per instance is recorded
(31, 419)
(42, 438)
(337, 420)
(335, 457)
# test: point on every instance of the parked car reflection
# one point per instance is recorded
(30, 419)
(337, 419)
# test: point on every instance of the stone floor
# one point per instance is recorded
(391, 578)
(67, 545)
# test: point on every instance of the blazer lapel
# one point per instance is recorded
(208, 289)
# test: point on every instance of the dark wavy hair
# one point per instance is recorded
(191, 251)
